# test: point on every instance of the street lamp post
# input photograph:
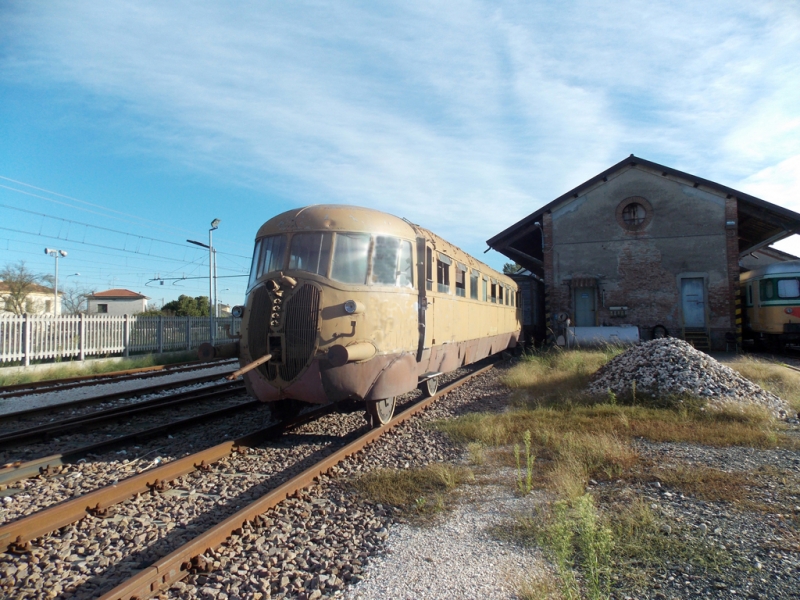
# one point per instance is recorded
(55, 254)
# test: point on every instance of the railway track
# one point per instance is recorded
(41, 387)
(164, 571)
(93, 419)
(105, 398)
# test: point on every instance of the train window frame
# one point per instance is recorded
(513, 294)
(443, 273)
(500, 293)
(325, 249)
(336, 275)
(254, 265)
(429, 268)
(392, 266)
(485, 288)
(461, 280)
(263, 267)
(473, 284)
(493, 297)
(786, 291)
(749, 294)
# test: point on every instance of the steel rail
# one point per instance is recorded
(95, 418)
(43, 465)
(153, 389)
(21, 531)
(41, 387)
(175, 566)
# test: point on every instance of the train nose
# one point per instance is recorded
(284, 322)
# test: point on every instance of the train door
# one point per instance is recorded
(584, 307)
(424, 282)
(693, 302)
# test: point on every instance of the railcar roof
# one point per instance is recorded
(336, 217)
(789, 266)
(343, 217)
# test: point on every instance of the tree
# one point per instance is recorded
(186, 306)
(73, 299)
(19, 283)
(511, 268)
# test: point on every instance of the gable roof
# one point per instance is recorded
(760, 223)
(119, 293)
(35, 288)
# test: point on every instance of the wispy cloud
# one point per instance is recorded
(463, 117)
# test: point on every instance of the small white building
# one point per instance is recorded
(38, 301)
(117, 302)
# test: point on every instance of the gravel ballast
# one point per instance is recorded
(671, 368)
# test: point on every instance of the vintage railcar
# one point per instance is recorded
(354, 303)
(771, 298)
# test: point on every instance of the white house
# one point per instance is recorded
(39, 300)
(117, 302)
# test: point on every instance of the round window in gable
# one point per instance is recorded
(634, 213)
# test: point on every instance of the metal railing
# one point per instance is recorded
(27, 338)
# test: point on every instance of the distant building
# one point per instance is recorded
(117, 302)
(647, 245)
(38, 302)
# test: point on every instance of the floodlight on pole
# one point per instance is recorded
(55, 254)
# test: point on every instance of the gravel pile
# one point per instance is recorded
(668, 367)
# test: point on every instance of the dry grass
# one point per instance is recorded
(421, 492)
(94, 367)
(775, 378)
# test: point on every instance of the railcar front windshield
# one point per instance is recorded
(311, 252)
(267, 257)
(353, 258)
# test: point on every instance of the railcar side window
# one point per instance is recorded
(461, 280)
(254, 265)
(311, 252)
(485, 286)
(350, 258)
(473, 284)
(513, 295)
(500, 294)
(429, 269)
(443, 274)
(494, 292)
(788, 288)
(391, 262)
(749, 301)
(273, 249)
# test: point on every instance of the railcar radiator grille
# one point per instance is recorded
(300, 332)
(258, 326)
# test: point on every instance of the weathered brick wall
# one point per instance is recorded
(683, 236)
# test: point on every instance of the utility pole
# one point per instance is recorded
(212, 276)
(55, 254)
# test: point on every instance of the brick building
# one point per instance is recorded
(646, 245)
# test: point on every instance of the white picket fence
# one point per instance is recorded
(39, 337)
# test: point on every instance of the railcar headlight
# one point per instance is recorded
(351, 307)
(237, 311)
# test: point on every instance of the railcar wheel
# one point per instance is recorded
(380, 412)
(429, 387)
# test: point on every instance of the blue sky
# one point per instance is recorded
(126, 127)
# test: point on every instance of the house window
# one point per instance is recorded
(102, 308)
(461, 280)
(443, 274)
(634, 213)
(48, 306)
(473, 284)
